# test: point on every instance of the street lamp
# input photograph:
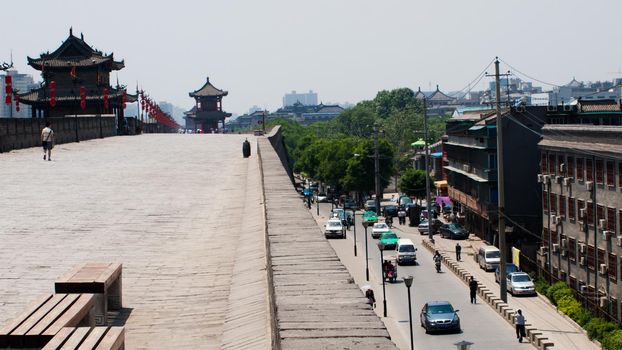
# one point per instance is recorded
(463, 345)
(345, 215)
(384, 295)
(366, 254)
(408, 281)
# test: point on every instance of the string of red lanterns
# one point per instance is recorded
(154, 110)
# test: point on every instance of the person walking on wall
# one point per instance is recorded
(519, 320)
(458, 250)
(473, 290)
(47, 141)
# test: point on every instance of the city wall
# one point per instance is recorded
(275, 136)
(16, 133)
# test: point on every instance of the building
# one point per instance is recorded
(20, 83)
(248, 121)
(575, 90)
(437, 102)
(309, 114)
(581, 178)
(306, 99)
(471, 169)
(207, 114)
(73, 68)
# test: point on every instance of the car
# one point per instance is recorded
(390, 211)
(453, 231)
(519, 283)
(322, 198)
(379, 228)
(370, 205)
(509, 268)
(424, 226)
(439, 316)
(369, 217)
(403, 200)
(406, 252)
(488, 257)
(334, 228)
(257, 132)
(349, 203)
(388, 240)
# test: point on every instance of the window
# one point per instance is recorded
(573, 282)
(614, 309)
(600, 211)
(545, 202)
(580, 169)
(571, 208)
(562, 206)
(572, 249)
(552, 164)
(611, 219)
(580, 205)
(601, 256)
(570, 166)
(600, 178)
(553, 203)
(590, 213)
(543, 163)
(589, 174)
(545, 236)
(590, 257)
(612, 270)
(611, 181)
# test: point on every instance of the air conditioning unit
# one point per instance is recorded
(582, 248)
(553, 217)
(551, 108)
(567, 108)
(589, 185)
(562, 168)
(566, 182)
(582, 213)
(559, 179)
(607, 234)
(570, 179)
(602, 269)
(558, 220)
(565, 243)
(547, 178)
(582, 261)
(602, 223)
(466, 167)
(555, 248)
(542, 251)
(603, 302)
(564, 252)
(619, 239)
(582, 287)
(540, 178)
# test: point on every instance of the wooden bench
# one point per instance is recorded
(102, 279)
(45, 317)
(87, 338)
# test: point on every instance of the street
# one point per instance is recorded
(480, 324)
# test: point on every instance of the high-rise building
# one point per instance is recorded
(306, 99)
(21, 83)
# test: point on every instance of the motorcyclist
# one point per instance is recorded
(437, 261)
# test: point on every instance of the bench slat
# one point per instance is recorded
(54, 314)
(59, 339)
(93, 338)
(110, 275)
(78, 311)
(75, 339)
(30, 309)
(34, 319)
(113, 340)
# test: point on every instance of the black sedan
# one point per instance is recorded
(390, 211)
(453, 231)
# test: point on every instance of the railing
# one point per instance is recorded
(471, 141)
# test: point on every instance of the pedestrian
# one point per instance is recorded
(458, 250)
(371, 299)
(519, 320)
(473, 290)
(401, 215)
(246, 149)
(47, 140)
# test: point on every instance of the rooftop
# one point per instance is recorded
(208, 90)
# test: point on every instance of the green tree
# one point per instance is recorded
(412, 182)
(359, 175)
(356, 121)
(386, 102)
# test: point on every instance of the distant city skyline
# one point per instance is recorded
(355, 52)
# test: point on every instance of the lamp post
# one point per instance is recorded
(463, 345)
(366, 254)
(345, 215)
(408, 281)
(384, 295)
(317, 203)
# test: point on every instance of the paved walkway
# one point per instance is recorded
(181, 212)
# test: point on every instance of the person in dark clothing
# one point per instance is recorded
(246, 149)
(458, 250)
(473, 289)
(519, 320)
(371, 299)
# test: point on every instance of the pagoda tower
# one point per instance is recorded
(207, 112)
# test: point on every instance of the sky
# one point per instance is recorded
(345, 50)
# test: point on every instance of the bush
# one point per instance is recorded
(597, 328)
(541, 285)
(573, 308)
(557, 291)
(613, 340)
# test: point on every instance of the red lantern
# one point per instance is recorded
(82, 97)
(17, 103)
(124, 99)
(7, 99)
(52, 93)
(106, 100)
(8, 82)
(8, 79)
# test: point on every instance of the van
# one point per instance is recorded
(405, 251)
(488, 257)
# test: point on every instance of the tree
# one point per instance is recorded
(412, 182)
(355, 121)
(387, 102)
(359, 175)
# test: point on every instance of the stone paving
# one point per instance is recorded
(181, 212)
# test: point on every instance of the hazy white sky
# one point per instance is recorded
(346, 50)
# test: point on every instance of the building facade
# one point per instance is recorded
(207, 114)
(21, 83)
(306, 99)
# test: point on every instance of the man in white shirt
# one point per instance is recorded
(519, 320)
(47, 140)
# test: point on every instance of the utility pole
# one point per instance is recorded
(500, 190)
(377, 169)
(427, 171)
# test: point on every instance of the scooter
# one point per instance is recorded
(438, 265)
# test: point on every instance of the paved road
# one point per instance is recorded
(171, 208)
(481, 325)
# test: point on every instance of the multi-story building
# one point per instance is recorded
(309, 114)
(307, 99)
(21, 83)
(581, 177)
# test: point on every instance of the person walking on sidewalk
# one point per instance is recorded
(473, 290)
(47, 141)
(458, 250)
(519, 320)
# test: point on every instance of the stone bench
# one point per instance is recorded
(87, 338)
(102, 279)
(45, 317)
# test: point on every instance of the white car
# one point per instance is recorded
(322, 198)
(423, 227)
(334, 228)
(379, 228)
(520, 283)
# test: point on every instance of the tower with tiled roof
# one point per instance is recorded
(208, 111)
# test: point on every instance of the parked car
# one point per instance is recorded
(424, 226)
(406, 252)
(453, 231)
(322, 198)
(379, 228)
(404, 200)
(349, 203)
(370, 205)
(519, 283)
(488, 257)
(439, 316)
(334, 228)
(390, 211)
(509, 268)
(388, 240)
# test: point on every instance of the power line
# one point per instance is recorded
(528, 76)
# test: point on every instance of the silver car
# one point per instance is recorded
(334, 228)
(519, 283)
(439, 316)
(379, 228)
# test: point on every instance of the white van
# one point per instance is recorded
(488, 257)
(405, 251)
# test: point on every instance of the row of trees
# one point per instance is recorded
(340, 152)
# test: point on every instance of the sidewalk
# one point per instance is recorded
(538, 311)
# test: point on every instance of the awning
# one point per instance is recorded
(440, 184)
(444, 200)
(437, 154)
(477, 127)
(470, 175)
